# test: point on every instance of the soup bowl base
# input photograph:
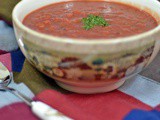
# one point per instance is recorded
(92, 89)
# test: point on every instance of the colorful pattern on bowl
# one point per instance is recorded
(85, 66)
(89, 67)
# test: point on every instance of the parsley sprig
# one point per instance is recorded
(93, 20)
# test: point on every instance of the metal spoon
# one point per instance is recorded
(40, 109)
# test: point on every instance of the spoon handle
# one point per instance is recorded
(45, 112)
(19, 95)
(40, 109)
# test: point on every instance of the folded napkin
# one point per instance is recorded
(112, 106)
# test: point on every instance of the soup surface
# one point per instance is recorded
(66, 19)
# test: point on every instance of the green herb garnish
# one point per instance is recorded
(93, 20)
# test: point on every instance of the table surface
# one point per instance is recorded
(153, 70)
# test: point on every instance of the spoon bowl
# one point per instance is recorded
(4, 84)
(5, 76)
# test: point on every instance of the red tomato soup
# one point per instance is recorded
(103, 20)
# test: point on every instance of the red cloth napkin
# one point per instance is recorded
(112, 106)
(17, 111)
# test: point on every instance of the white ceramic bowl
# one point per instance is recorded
(124, 57)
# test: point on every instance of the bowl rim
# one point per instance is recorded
(79, 40)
